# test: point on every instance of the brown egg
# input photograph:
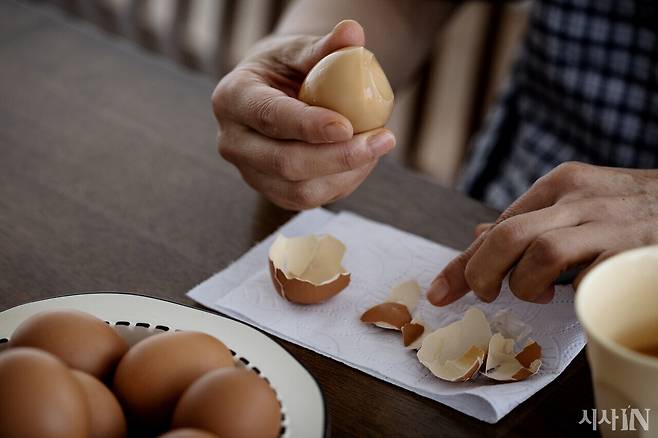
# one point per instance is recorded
(106, 417)
(351, 82)
(39, 397)
(154, 373)
(188, 433)
(233, 403)
(81, 340)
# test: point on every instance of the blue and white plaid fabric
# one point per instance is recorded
(584, 88)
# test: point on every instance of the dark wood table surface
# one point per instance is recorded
(110, 180)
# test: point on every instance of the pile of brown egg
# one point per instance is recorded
(69, 374)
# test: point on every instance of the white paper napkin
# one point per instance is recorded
(380, 257)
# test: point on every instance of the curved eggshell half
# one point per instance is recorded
(308, 269)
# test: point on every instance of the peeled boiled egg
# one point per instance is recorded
(153, 374)
(231, 402)
(106, 417)
(81, 340)
(351, 82)
(40, 397)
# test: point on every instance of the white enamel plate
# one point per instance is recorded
(136, 316)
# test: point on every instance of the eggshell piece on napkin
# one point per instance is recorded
(456, 352)
(407, 293)
(414, 333)
(510, 325)
(395, 312)
(308, 269)
(387, 315)
(505, 366)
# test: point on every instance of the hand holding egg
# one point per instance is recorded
(305, 153)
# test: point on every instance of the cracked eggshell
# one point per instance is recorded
(387, 315)
(407, 293)
(505, 366)
(508, 324)
(456, 352)
(351, 82)
(414, 333)
(308, 269)
(395, 312)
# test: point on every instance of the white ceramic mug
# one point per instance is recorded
(617, 303)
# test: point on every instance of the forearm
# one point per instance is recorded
(400, 33)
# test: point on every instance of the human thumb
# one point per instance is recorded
(345, 34)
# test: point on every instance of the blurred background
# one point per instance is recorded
(435, 117)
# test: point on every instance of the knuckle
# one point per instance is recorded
(570, 167)
(224, 147)
(265, 114)
(545, 251)
(307, 129)
(542, 187)
(348, 157)
(477, 281)
(304, 196)
(283, 165)
(221, 95)
(570, 175)
(507, 233)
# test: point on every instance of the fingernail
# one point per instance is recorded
(336, 131)
(382, 142)
(438, 291)
(340, 23)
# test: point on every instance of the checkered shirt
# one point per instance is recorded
(584, 88)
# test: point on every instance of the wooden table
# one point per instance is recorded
(110, 180)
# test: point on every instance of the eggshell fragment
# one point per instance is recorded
(81, 340)
(351, 82)
(407, 293)
(414, 333)
(106, 417)
(456, 352)
(503, 365)
(308, 269)
(387, 315)
(395, 312)
(508, 324)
